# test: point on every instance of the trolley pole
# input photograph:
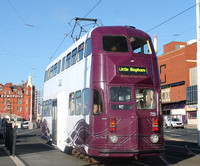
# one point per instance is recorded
(198, 68)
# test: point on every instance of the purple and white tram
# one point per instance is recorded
(102, 95)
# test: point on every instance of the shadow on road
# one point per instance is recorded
(32, 148)
(176, 153)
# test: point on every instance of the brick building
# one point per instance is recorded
(15, 101)
(178, 78)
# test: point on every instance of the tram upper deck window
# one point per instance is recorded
(74, 56)
(145, 99)
(51, 72)
(45, 76)
(120, 94)
(55, 69)
(88, 48)
(140, 45)
(68, 60)
(63, 63)
(59, 63)
(115, 44)
(80, 51)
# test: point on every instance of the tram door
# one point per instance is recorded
(54, 121)
(61, 122)
(147, 114)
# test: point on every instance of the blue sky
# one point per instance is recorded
(25, 50)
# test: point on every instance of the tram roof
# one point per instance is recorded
(112, 30)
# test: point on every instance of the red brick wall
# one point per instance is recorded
(172, 46)
(173, 67)
(13, 101)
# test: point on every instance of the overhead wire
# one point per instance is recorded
(16, 12)
(58, 48)
(9, 53)
(26, 24)
(11, 29)
(72, 30)
(92, 9)
(27, 56)
(171, 18)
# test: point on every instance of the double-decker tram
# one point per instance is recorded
(102, 95)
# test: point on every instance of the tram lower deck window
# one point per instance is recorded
(120, 94)
(145, 99)
(121, 107)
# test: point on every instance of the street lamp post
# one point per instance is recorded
(31, 85)
(198, 67)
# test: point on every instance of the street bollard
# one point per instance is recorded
(14, 140)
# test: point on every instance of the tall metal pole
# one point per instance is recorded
(198, 67)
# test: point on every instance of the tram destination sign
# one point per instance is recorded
(129, 70)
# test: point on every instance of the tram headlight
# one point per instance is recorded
(154, 138)
(113, 138)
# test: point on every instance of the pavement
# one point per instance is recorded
(30, 152)
(191, 126)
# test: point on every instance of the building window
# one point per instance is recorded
(191, 95)
(26, 101)
(19, 92)
(4, 108)
(26, 109)
(192, 114)
(4, 92)
(19, 100)
(4, 100)
(165, 95)
(19, 108)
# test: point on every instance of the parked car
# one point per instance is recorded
(25, 125)
(174, 123)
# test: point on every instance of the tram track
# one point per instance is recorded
(173, 154)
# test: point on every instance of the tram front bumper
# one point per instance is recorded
(108, 151)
